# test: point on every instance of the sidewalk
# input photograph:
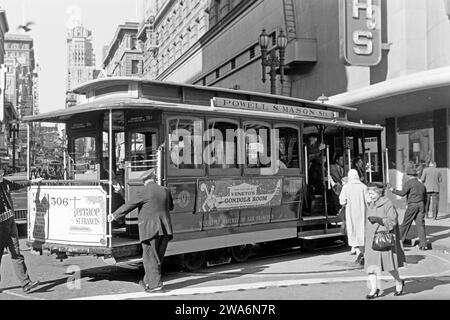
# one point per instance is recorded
(438, 231)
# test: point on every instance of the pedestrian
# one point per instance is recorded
(9, 237)
(354, 197)
(155, 228)
(416, 195)
(432, 177)
(336, 174)
(381, 215)
(358, 165)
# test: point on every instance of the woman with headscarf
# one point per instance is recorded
(354, 197)
(381, 215)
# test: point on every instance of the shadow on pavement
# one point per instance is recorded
(419, 285)
(414, 258)
(431, 231)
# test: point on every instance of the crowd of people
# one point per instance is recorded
(47, 172)
(367, 211)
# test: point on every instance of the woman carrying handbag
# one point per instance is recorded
(383, 250)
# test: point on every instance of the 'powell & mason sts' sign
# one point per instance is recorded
(270, 107)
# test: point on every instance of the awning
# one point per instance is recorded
(415, 93)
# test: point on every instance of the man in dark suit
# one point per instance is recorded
(9, 236)
(416, 194)
(432, 177)
(155, 228)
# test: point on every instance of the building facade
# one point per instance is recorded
(20, 62)
(4, 105)
(405, 86)
(124, 55)
(170, 29)
(21, 91)
(80, 60)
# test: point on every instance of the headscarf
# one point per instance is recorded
(353, 176)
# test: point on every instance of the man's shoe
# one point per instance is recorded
(359, 258)
(156, 289)
(29, 286)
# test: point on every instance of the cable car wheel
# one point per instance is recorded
(194, 260)
(241, 253)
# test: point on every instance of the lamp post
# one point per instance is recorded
(270, 59)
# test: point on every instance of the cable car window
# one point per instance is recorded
(185, 143)
(143, 149)
(85, 164)
(288, 151)
(221, 149)
(120, 152)
(257, 145)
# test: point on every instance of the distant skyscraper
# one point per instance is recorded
(80, 60)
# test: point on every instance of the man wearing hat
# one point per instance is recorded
(416, 195)
(432, 177)
(155, 228)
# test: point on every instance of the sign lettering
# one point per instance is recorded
(360, 32)
(271, 107)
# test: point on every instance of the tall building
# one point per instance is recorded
(80, 60)
(4, 105)
(19, 59)
(124, 56)
(21, 90)
(170, 28)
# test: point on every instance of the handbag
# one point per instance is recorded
(383, 240)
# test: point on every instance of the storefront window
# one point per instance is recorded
(185, 143)
(414, 146)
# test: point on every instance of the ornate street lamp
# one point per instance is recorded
(323, 98)
(271, 59)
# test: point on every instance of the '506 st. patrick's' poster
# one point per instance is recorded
(232, 194)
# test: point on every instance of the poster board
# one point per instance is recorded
(73, 215)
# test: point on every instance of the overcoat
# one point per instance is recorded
(154, 203)
(353, 196)
(382, 260)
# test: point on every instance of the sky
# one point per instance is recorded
(51, 18)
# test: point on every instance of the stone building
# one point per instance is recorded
(5, 107)
(124, 56)
(170, 28)
(21, 90)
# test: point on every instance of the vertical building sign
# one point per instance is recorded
(360, 32)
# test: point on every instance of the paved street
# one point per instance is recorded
(291, 274)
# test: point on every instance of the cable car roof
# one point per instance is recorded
(88, 86)
(127, 103)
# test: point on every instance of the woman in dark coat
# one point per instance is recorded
(382, 215)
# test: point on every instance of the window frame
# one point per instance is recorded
(291, 171)
(257, 171)
(240, 149)
(174, 172)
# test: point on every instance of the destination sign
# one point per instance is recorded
(271, 107)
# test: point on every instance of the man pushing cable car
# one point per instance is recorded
(155, 228)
